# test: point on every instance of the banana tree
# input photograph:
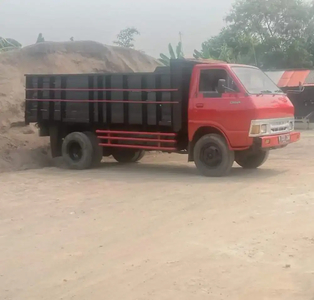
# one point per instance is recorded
(224, 53)
(7, 44)
(172, 54)
(204, 53)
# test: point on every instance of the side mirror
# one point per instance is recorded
(300, 89)
(221, 86)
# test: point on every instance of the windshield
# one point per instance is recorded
(255, 81)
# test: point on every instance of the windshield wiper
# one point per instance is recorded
(266, 92)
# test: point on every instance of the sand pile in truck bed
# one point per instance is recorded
(20, 147)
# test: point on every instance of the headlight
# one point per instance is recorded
(258, 129)
(291, 125)
(255, 129)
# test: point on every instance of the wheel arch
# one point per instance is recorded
(201, 132)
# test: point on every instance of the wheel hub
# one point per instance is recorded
(75, 151)
(211, 155)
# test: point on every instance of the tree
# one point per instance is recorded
(40, 38)
(281, 29)
(125, 38)
(172, 54)
(7, 44)
(224, 46)
(212, 48)
(278, 20)
(266, 33)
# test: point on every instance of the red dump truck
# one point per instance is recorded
(216, 113)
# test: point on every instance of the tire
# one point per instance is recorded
(77, 151)
(251, 160)
(212, 156)
(128, 155)
(141, 155)
(97, 150)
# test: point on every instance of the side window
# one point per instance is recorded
(209, 82)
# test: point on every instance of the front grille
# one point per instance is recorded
(271, 126)
(279, 127)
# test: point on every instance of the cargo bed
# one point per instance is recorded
(155, 101)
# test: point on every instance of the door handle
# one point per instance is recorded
(199, 105)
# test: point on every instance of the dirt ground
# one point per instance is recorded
(157, 230)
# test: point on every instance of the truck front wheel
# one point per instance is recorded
(212, 156)
(128, 155)
(77, 151)
(251, 160)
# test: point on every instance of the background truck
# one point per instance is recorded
(216, 113)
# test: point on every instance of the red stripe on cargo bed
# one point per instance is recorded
(136, 132)
(103, 101)
(135, 139)
(138, 147)
(103, 90)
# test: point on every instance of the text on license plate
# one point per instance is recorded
(284, 138)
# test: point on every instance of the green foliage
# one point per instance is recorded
(268, 33)
(125, 38)
(205, 52)
(7, 44)
(40, 38)
(178, 54)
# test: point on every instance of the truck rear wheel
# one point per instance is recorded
(212, 156)
(97, 150)
(251, 160)
(77, 151)
(128, 155)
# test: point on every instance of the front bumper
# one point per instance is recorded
(279, 141)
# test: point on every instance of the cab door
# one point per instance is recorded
(211, 108)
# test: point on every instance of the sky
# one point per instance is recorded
(159, 21)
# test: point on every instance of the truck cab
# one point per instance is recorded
(242, 104)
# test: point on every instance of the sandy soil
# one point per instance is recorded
(21, 149)
(158, 230)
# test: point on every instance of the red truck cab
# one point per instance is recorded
(242, 104)
(218, 113)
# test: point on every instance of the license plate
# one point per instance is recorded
(283, 139)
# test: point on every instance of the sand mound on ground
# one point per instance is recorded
(23, 145)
